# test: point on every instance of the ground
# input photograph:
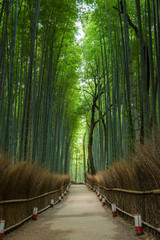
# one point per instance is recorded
(80, 216)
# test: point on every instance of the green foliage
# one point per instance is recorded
(46, 71)
(52, 86)
(111, 58)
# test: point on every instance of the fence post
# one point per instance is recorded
(35, 211)
(2, 225)
(52, 203)
(138, 223)
(114, 210)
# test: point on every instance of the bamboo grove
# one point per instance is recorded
(121, 72)
(51, 84)
(39, 61)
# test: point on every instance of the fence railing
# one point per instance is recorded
(129, 202)
(15, 212)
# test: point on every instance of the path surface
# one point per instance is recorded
(79, 217)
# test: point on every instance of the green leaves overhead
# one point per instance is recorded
(38, 109)
(51, 84)
(120, 65)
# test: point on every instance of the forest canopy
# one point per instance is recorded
(66, 98)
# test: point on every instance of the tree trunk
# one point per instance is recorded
(84, 157)
(144, 66)
(90, 142)
(90, 155)
(4, 43)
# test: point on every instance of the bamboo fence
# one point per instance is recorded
(130, 202)
(15, 212)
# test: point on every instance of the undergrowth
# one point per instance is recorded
(23, 180)
(141, 173)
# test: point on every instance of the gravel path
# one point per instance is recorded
(79, 217)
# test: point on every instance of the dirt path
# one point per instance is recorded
(79, 217)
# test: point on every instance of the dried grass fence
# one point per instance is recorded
(134, 186)
(25, 186)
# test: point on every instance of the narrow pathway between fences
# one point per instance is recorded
(80, 216)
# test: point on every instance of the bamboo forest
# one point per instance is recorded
(80, 108)
(79, 81)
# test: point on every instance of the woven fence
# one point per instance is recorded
(15, 212)
(130, 202)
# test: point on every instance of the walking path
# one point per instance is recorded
(79, 217)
